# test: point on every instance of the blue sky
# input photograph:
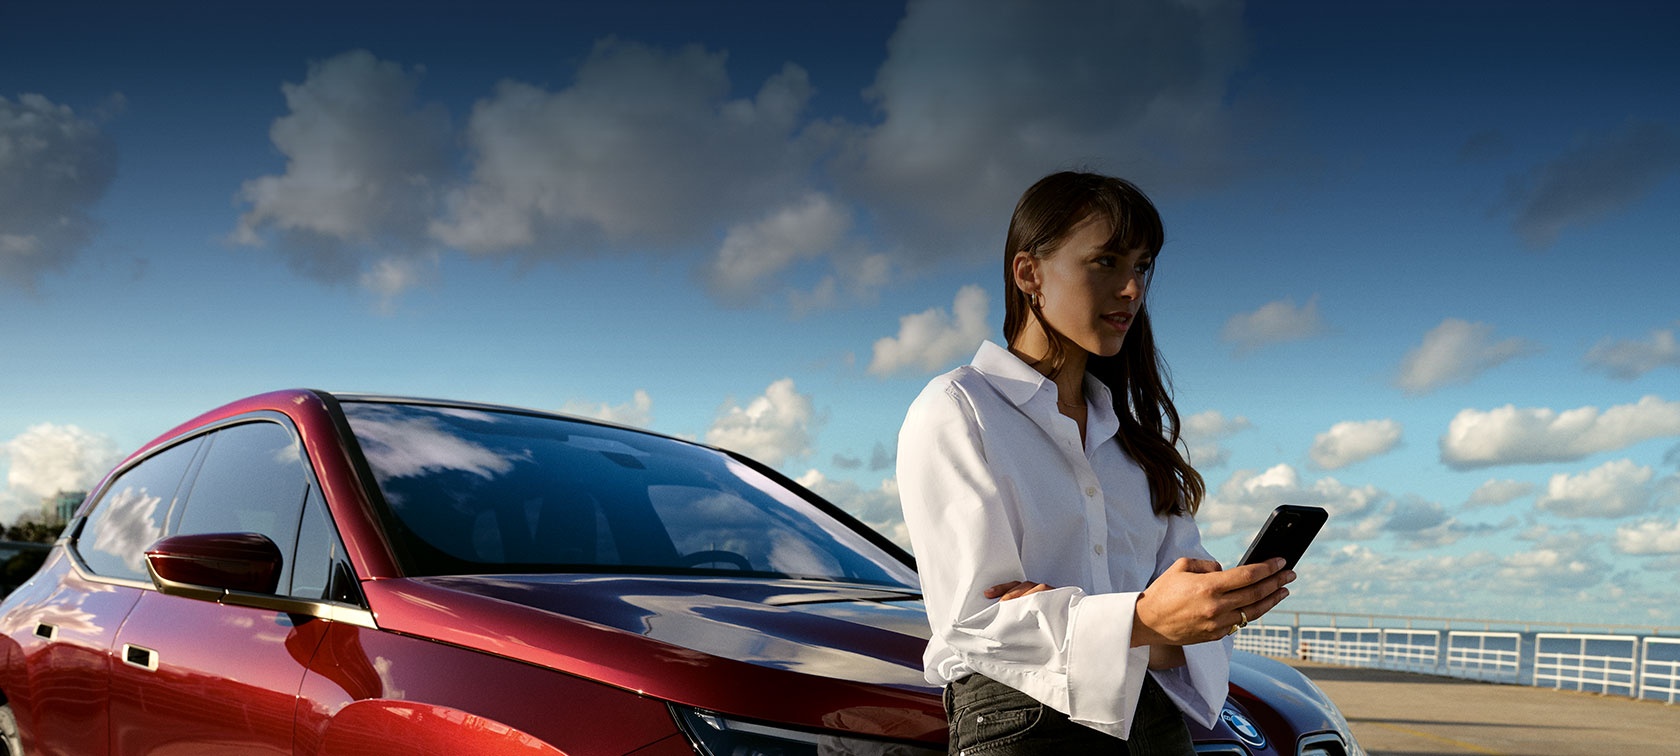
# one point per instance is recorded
(1420, 268)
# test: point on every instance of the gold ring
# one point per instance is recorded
(1234, 629)
(1244, 617)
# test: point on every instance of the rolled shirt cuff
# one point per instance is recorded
(1200, 687)
(1105, 674)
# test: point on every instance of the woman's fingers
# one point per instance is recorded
(1250, 584)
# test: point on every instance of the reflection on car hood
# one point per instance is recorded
(843, 631)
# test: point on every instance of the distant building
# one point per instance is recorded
(61, 506)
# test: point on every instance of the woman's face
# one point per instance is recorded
(1088, 293)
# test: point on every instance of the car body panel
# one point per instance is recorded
(633, 662)
(59, 686)
(355, 665)
(171, 687)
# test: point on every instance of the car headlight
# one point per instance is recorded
(716, 735)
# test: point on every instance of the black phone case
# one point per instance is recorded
(1287, 532)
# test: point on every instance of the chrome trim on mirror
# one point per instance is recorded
(351, 615)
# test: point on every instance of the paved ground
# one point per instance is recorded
(1402, 714)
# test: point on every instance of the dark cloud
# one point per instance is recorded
(54, 165)
(882, 458)
(365, 162)
(1484, 147)
(979, 99)
(1597, 179)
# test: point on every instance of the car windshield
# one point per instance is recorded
(474, 491)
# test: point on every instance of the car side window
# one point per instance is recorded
(253, 480)
(130, 516)
(320, 570)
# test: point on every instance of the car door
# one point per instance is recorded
(71, 630)
(193, 674)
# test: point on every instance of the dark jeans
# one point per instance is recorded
(988, 717)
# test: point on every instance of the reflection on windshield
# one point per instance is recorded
(401, 446)
(469, 491)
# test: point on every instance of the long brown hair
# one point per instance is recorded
(1137, 376)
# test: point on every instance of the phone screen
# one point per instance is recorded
(1287, 532)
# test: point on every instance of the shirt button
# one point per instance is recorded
(1098, 548)
(1090, 490)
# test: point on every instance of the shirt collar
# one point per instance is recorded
(1019, 383)
(1016, 380)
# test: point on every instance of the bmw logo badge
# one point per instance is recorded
(1244, 728)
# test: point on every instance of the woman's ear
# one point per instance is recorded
(1025, 269)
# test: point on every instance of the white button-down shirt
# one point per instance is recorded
(998, 486)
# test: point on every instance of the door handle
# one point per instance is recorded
(138, 656)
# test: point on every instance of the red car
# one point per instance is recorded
(307, 573)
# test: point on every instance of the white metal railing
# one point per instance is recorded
(1594, 663)
(1411, 650)
(1644, 667)
(1317, 643)
(1267, 640)
(1359, 647)
(1659, 669)
(1484, 655)
(1350, 647)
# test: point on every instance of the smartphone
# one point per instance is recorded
(1287, 532)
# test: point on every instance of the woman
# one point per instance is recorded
(1072, 605)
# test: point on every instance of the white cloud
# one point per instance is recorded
(387, 278)
(644, 148)
(930, 340)
(1456, 351)
(1202, 434)
(1509, 435)
(48, 458)
(1355, 577)
(1349, 442)
(1613, 489)
(54, 166)
(1495, 492)
(879, 507)
(1274, 323)
(637, 412)
(1241, 503)
(1627, 360)
(1649, 537)
(771, 429)
(979, 99)
(1550, 569)
(365, 163)
(754, 252)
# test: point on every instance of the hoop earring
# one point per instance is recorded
(1036, 302)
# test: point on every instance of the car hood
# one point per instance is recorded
(860, 633)
(721, 643)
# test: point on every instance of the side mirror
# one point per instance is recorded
(209, 565)
(236, 569)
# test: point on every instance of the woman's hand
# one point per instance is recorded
(1195, 601)
(1014, 589)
